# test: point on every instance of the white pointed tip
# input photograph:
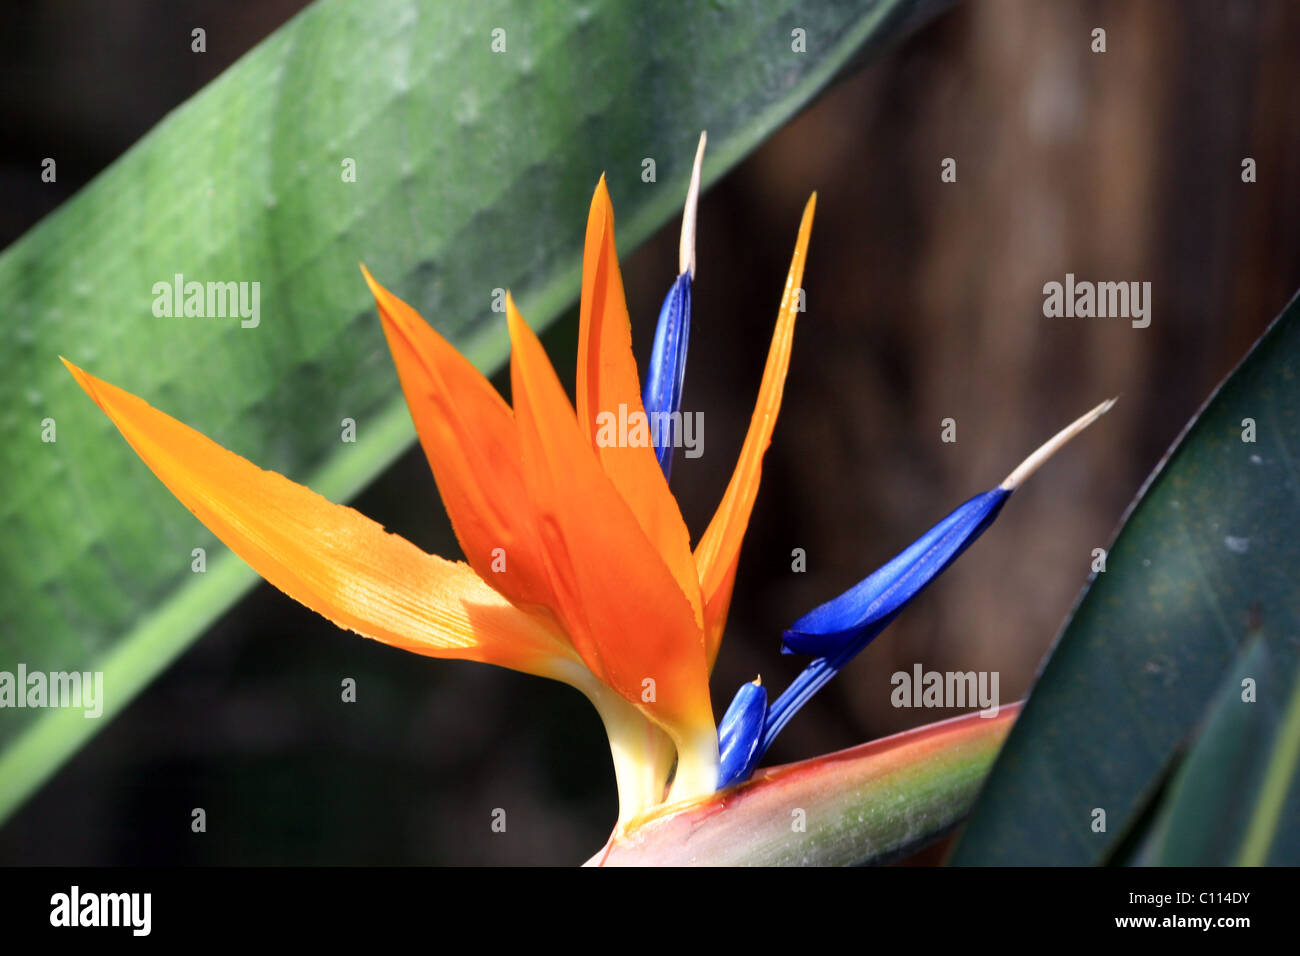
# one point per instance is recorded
(686, 251)
(1053, 445)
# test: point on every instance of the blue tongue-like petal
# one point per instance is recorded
(864, 609)
(662, 395)
(838, 630)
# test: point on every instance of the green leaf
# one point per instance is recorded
(870, 804)
(473, 170)
(1228, 802)
(1205, 561)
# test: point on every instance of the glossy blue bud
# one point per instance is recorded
(740, 733)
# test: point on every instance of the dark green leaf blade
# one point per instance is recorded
(1226, 803)
(1206, 558)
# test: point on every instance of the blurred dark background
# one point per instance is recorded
(924, 302)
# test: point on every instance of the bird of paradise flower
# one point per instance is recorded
(578, 564)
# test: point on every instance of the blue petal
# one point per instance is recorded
(739, 734)
(871, 603)
(838, 630)
(662, 395)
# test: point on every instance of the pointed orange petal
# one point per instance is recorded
(609, 392)
(718, 551)
(468, 434)
(331, 558)
(620, 605)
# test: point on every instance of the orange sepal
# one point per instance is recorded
(609, 392)
(468, 435)
(718, 551)
(329, 557)
(618, 602)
